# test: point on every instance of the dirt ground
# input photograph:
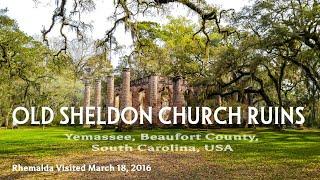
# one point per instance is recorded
(164, 166)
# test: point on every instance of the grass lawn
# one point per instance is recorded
(276, 155)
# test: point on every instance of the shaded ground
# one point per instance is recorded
(277, 155)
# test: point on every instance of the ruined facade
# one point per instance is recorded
(152, 91)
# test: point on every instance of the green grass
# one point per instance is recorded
(276, 151)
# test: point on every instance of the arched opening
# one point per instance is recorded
(165, 100)
(142, 99)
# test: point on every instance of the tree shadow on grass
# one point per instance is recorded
(19, 174)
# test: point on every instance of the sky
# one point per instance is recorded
(32, 17)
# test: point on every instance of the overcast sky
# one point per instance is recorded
(32, 17)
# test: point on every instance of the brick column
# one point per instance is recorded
(97, 98)
(135, 99)
(153, 98)
(97, 93)
(125, 93)
(110, 91)
(86, 97)
(109, 97)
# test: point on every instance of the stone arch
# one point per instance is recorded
(165, 99)
(165, 95)
(142, 98)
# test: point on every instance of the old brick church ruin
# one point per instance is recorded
(152, 91)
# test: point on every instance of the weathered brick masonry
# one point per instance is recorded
(152, 91)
